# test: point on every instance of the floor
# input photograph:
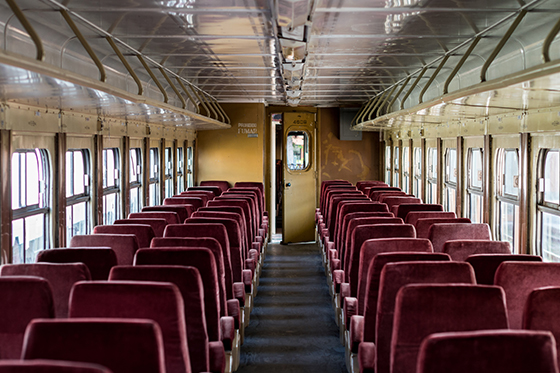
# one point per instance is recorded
(292, 327)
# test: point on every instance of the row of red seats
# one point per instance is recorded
(183, 275)
(401, 272)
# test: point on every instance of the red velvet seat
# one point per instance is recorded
(492, 351)
(541, 312)
(204, 196)
(169, 216)
(398, 200)
(405, 208)
(210, 194)
(421, 310)
(375, 193)
(250, 184)
(61, 278)
(143, 232)
(124, 245)
(440, 233)
(23, 298)
(413, 216)
(121, 345)
(379, 311)
(361, 185)
(251, 209)
(203, 354)
(380, 189)
(339, 188)
(223, 185)
(235, 210)
(161, 302)
(332, 192)
(49, 366)
(158, 225)
(423, 225)
(203, 260)
(485, 265)
(214, 189)
(228, 215)
(519, 279)
(202, 242)
(331, 215)
(196, 202)
(99, 260)
(460, 250)
(182, 211)
(244, 205)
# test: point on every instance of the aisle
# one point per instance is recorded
(292, 326)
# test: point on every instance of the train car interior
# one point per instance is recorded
(245, 186)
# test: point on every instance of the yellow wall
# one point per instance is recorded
(231, 154)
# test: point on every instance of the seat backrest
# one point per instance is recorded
(189, 283)
(379, 314)
(124, 245)
(204, 196)
(24, 298)
(222, 184)
(49, 366)
(398, 200)
(363, 233)
(519, 279)
(121, 345)
(158, 225)
(338, 188)
(337, 192)
(99, 260)
(228, 215)
(143, 232)
(461, 249)
(440, 233)
(541, 312)
(413, 216)
(377, 251)
(251, 210)
(333, 206)
(206, 242)
(421, 310)
(161, 302)
(258, 190)
(203, 260)
(423, 225)
(182, 211)
(236, 210)
(374, 189)
(377, 194)
(169, 216)
(214, 189)
(405, 208)
(485, 265)
(250, 184)
(361, 185)
(348, 207)
(343, 227)
(488, 352)
(61, 277)
(244, 205)
(196, 202)
(344, 251)
(234, 240)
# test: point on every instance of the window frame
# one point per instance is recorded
(448, 184)
(431, 174)
(136, 184)
(168, 174)
(542, 206)
(113, 189)
(180, 184)
(86, 196)
(396, 167)
(154, 182)
(417, 171)
(471, 189)
(502, 198)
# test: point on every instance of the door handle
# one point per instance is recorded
(288, 185)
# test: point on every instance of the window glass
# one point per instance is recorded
(168, 172)
(432, 175)
(190, 166)
(30, 191)
(474, 185)
(396, 175)
(552, 177)
(297, 150)
(406, 168)
(507, 190)
(111, 190)
(388, 165)
(180, 170)
(417, 172)
(550, 237)
(135, 180)
(154, 177)
(475, 170)
(511, 173)
(475, 208)
(77, 193)
(451, 166)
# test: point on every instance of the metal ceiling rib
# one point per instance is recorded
(300, 52)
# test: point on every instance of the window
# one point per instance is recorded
(154, 177)
(297, 150)
(388, 165)
(432, 176)
(507, 195)
(474, 185)
(30, 195)
(77, 193)
(396, 174)
(450, 180)
(549, 204)
(417, 172)
(180, 170)
(190, 167)
(111, 189)
(168, 172)
(406, 168)
(135, 180)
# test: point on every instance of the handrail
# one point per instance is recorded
(126, 64)
(173, 88)
(432, 78)
(399, 92)
(151, 73)
(414, 84)
(460, 64)
(188, 94)
(374, 109)
(548, 41)
(40, 56)
(386, 99)
(85, 44)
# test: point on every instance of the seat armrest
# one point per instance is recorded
(250, 265)
(254, 254)
(366, 357)
(248, 280)
(227, 326)
(338, 278)
(356, 332)
(350, 309)
(239, 292)
(234, 311)
(335, 265)
(217, 357)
